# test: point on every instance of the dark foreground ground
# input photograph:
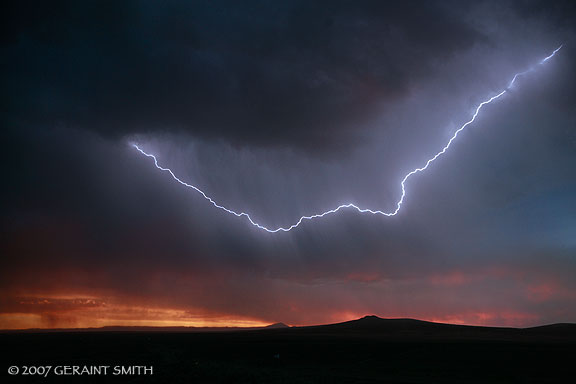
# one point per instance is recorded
(369, 350)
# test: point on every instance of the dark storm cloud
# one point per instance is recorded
(293, 73)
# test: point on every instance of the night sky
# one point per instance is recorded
(283, 109)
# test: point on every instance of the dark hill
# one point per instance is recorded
(277, 326)
(375, 323)
(411, 329)
(367, 350)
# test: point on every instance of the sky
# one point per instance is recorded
(283, 109)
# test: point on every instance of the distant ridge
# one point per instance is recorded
(395, 329)
(375, 322)
(366, 327)
(276, 326)
(121, 328)
(365, 350)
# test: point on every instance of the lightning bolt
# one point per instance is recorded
(350, 205)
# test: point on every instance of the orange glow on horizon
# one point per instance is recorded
(53, 311)
(75, 311)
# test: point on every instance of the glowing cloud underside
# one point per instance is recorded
(350, 205)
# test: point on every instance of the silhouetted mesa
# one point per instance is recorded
(366, 350)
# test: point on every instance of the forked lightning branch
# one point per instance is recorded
(400, 201)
